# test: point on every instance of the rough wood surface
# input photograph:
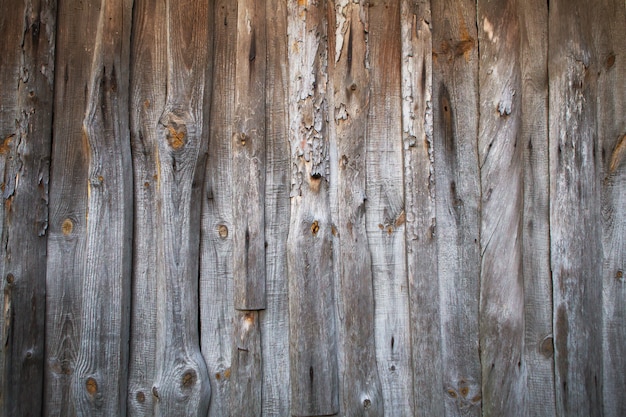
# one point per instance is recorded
(419, 201)
(575, 181)
(182, 385)
(27, 30)
(216, 263)
(312, 329)
(147, 98)
(246, 366)
(455, 106)
(248, 148)
(274, 320)
(359, 383)
(385, 211)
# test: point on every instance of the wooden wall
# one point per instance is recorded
(313, 207)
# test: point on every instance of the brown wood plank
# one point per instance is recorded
(248, 148)
(182, 386)
(501, 169)
(216, 263)
(419, 188)
(609, 39)
(537, 360)
(147, 99)
(274, 320)
(455, 110)
(312, 329)
(575, 232)
(27, 30)
(361, 390)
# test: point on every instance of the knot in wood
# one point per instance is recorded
(176, 139)
(315, 227)
(222, 230)
(10, 278)
(91, 385)
(189, 378)
(141, 397)
(67, 227)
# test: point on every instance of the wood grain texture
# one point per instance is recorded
(312, 329)
(500, 163)
(248, 164)
(216, 262)
(27, 29)
(246, 366)
(98, 385)
(182, 386)
(147, 99)
(575, 181)
(361, 391)
(537, 360)
(455, 110)
(609, 40)
(420, 194)
(274, 320)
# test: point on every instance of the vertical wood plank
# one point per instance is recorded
(538, 359)
(248, 164)
(182, 386)
(419, 189)
(147, 99)
(360, 386)
(274, 320)
(312, 329)
(609, 39)
(574, 209)
(246, 365)
(500, 162)
(99, 380)
(27, 29)
(216, 262)
(455, 110)
(385, 215)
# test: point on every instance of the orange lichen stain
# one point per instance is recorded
(91, 385)
(302, 2)
(249, 319)
(67, 227)
(315, 227)
(226, 373)
(618, 154)
(401, 219)
(175, 139)
(5, 145)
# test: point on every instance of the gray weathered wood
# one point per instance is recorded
(385, 215)
(575, 180)
(27, 30)
(182, 386)
(538, 360)
(246, 366)
(609, 39)
(98, 385)
(312, 339)
(420, 193)
(455, 110)
(248, 164)
(360, 386)
(147, 99)
(500, 163)
(274, 320)
(216, 279)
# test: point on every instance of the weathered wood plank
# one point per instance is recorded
(27, 29)
(312, 329)
(361, 391)
(248, 164)
(538, 362)
(609, 39)
(216, 279)
(68, 204)
(246, 366)
(182, 386)
(274, 320)
(574, 210)
(385, 216)
(419, 191)
(455, 110)
(500, 162)
(147, 99)
(98, 385)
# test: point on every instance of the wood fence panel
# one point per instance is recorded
(216, 262)
(27, 30)
(385, 214)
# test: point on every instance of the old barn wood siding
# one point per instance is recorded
(313, 207)
(26, 84)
